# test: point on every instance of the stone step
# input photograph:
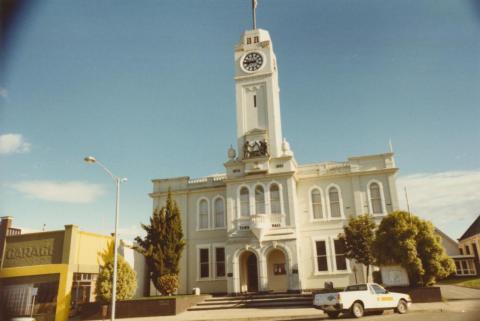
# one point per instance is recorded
(260, 296)
(255, 301)
(264, 304)
(277, 299)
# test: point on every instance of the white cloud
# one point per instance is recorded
(443, 198)
(131, 232)
(13, 143)
(3, 92)
(67, 192)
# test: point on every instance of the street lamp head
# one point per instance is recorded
(90, 159)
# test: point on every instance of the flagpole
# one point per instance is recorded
(254, 14)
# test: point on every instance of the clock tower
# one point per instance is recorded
(257, 95)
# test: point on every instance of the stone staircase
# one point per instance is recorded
(271, 300)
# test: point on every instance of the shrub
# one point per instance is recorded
(168, 284)
(126, 278)
(405, 239)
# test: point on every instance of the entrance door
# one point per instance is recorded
(252, 273)
(277, 271)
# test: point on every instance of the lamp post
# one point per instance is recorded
(117, 180)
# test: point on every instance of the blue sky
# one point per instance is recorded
(147, 88)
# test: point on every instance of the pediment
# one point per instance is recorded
(256, 131)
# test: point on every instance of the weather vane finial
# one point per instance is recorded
(254, 15)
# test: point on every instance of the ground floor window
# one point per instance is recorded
(321, 253)
(204, 263)
(340, 259)
(83, 290)
(220, 261)
(465, 267)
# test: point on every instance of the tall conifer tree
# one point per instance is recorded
(163, 244)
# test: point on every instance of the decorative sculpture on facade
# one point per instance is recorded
(257, 148)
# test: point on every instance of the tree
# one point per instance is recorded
(358, 236)
(126, 278)
(411, 242)
(163, 244)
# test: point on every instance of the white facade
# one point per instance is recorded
(268, 223)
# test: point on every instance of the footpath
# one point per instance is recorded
(456, 300)
(304, 314)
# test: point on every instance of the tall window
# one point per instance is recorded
(321, 249)
(275, 206)
(203, 214)
(375, 198)
(220, 261)
(334, 202)
(317, 204)
(259, 200)
(244, 202)
(204, 263)
(219, 213)
(340, 260)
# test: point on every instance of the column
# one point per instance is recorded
(262, 274)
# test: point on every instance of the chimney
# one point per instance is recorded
(5, 225)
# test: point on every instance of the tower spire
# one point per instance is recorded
(254, 13)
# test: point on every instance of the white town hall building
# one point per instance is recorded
(268, 223)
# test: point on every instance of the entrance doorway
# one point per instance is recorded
(277, 271)
(249, 272)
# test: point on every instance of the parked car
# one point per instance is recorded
(356, 299)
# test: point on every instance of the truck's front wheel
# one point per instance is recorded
(357, 310)
(333, 315)
(402, 307)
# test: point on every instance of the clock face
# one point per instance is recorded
(252, 61)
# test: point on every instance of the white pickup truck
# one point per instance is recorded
(356, 299)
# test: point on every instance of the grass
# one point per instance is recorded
(473, 282)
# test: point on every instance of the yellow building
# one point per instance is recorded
(60, 267)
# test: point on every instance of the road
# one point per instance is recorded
(411, 316)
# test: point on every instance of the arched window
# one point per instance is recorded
(203, 214)
(244, 202)
(259, 200)
(275, 206)
(375, 198)
(317, 204)
(219, 213)
(334, 198)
